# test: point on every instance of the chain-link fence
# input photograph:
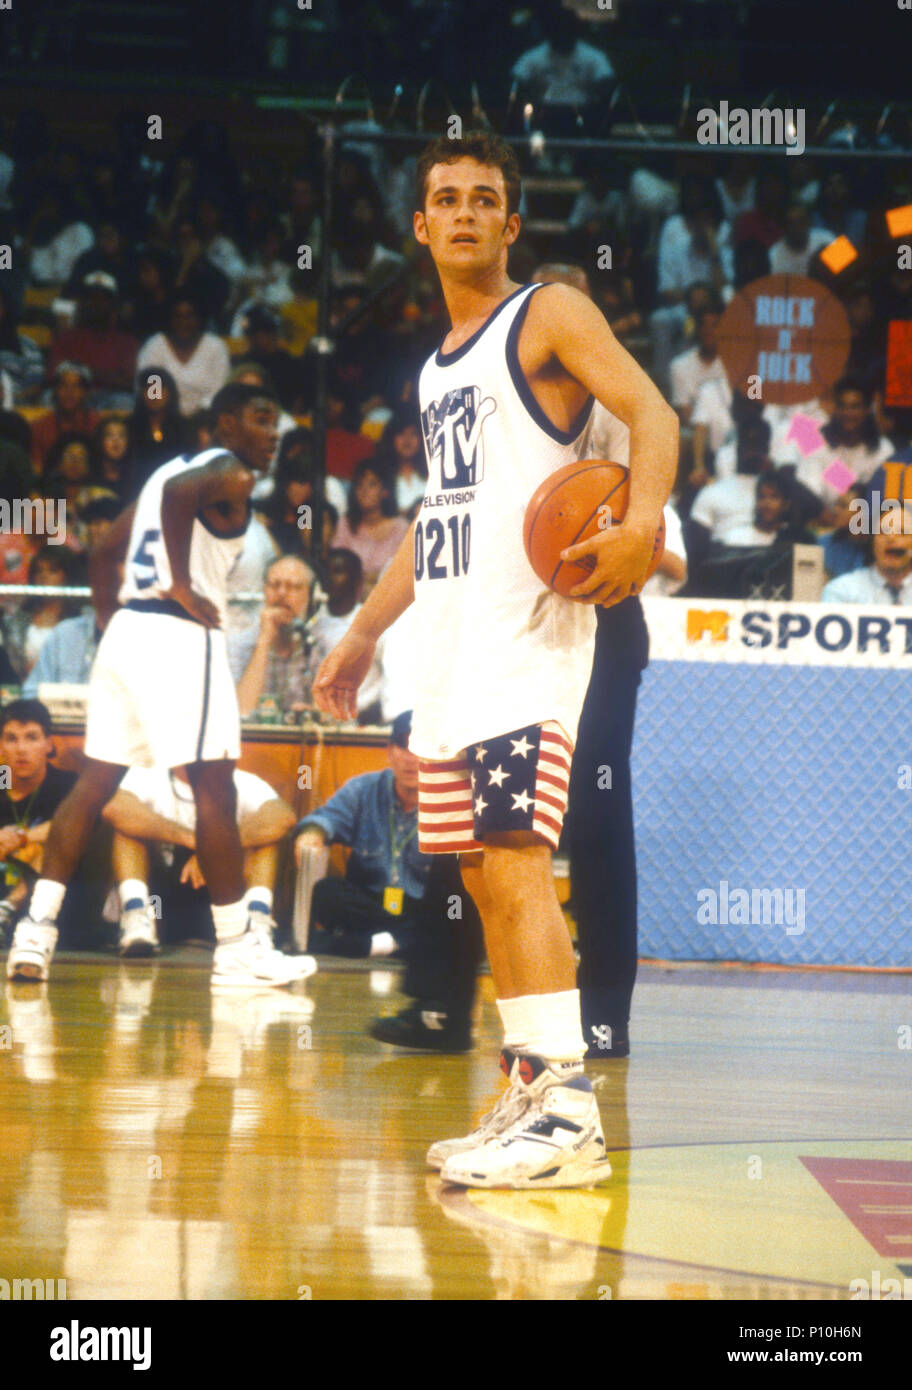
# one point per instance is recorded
(773, 784)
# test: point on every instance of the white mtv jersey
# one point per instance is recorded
(497, 650)
(147, 571)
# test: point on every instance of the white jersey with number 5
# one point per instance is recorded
(147, 571)
(497, 650)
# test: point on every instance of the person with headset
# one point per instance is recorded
(274, 663)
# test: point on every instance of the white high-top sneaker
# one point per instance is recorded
(557, 1142)
(510, 1107)
(250, 961)
(138, 932)
(264, 924)
(32, 950)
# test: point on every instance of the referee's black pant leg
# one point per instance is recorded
(442, 962)
(599, 841)
(345, 909)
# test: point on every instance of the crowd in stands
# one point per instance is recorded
(137, 286)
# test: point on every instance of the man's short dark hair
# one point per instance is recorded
(25, 712)
(852, 382)
(713, 305)
(101, 509)
(349, 558)
(477, 145)
(233, 398)
(777, 482)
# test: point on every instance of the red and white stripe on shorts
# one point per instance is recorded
(454, 817)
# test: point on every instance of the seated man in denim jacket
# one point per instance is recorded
(373, 910)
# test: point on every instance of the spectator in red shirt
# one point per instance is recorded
(99, 344)
(766, 220)
(69, 415)
(346, 447)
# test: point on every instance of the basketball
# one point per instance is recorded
(577, 502)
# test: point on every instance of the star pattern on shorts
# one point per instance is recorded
(503, 790)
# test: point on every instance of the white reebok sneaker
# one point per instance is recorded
(265, 925)
(511, 1106)
(32, 950)
(138, 932)
(249, 961)
(558, 1142)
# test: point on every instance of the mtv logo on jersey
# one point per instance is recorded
(453, 433)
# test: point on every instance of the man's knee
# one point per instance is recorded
(99, 781)
(512, 862)
(213, 781)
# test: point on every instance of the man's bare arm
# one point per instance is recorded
(568, 325)
(392, 594)
(336, 686)
(226, 480)
(133, 817)
(104, 562)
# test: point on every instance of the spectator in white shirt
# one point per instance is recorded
(198, 361)
(713, 421)
(851, 436)
(672, 570)
(736, 188)
(794, 252)
(889, 579)
(220, 250)
(771, 520)
(699, 364)
(563, 74)
(727, 504)
(598, 205)
(693, 249)
(154, 820)
(55, 238)
(344, 577)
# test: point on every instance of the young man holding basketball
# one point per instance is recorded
(506, 662)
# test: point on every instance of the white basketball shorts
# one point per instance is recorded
(161, 692)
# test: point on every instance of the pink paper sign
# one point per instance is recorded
(805, 433)
(839, 476)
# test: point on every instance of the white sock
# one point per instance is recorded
(46, 900)
(229, 920)
(262, 897)
(555, 1030)
(515, 1022)
(383, 943)
(131, 889)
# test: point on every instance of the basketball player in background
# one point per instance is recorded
(161, 690)
(505, 662)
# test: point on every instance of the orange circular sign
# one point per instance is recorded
(783, 339)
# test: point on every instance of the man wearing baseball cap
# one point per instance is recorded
(373, 910)
(96, 342)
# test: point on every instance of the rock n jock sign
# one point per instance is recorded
(783, 339)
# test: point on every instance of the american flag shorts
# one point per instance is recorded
(515, 781)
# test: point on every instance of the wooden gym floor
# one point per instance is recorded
(160, 1142)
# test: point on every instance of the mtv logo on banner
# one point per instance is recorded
(453, 433)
